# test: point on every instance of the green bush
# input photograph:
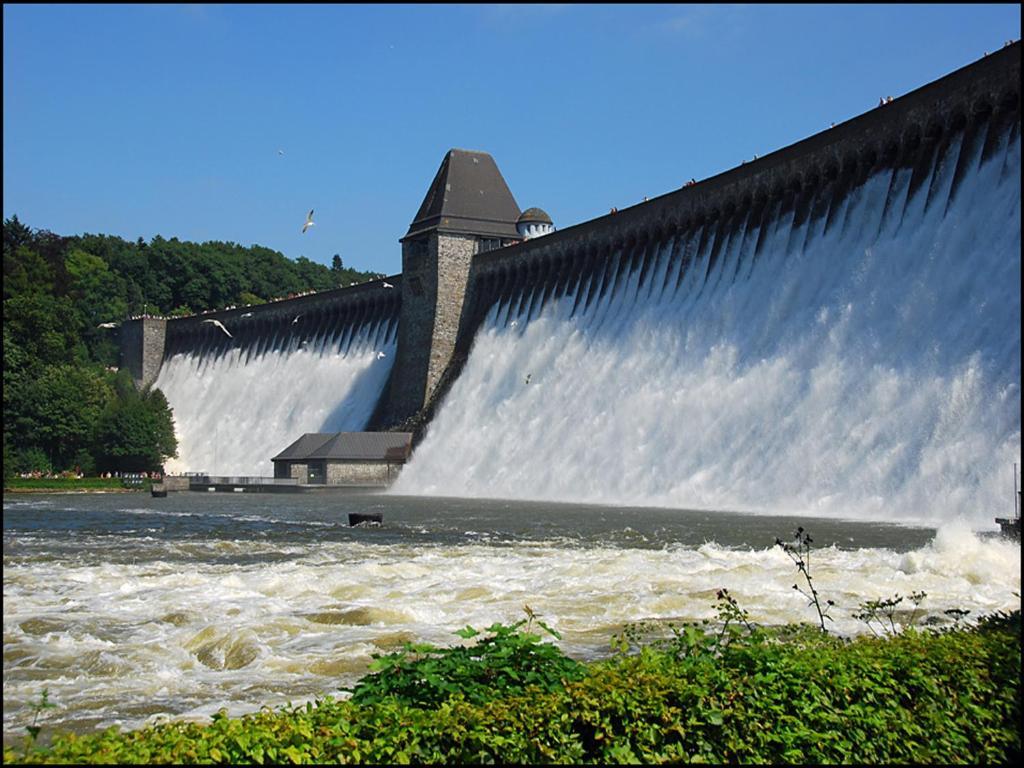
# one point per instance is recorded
(763, 697)
(505, 662)
(32, 459)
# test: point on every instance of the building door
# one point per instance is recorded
(317, 473)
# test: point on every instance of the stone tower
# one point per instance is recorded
(467, 210)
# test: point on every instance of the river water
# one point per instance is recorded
(128, 608)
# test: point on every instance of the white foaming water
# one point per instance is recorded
(233, 413)
(253, 622)
(870, 370)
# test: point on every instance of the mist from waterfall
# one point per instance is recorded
(862, 364)
(234, 410)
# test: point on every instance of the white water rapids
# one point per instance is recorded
(126, 608)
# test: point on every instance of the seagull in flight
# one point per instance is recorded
(247, 314)
(220, 325)
(296, 319)
(381, 355)
(388, 285)
(280, 152)
(309, 221)
(108, 325)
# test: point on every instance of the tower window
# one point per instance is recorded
(418, 248)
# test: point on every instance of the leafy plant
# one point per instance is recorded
(508, 659)
(957, 615)
(38, 707)
(800, 553)
(883, 611)
(730, 613)
(913, 698)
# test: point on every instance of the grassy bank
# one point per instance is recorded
(734, 693)
(71, 485)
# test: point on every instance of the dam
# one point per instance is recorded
(832, 329)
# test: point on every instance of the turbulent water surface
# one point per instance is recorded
(127, 608)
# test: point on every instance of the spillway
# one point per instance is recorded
(241, 400)
(854, 355)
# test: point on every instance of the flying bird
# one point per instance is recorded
(528, 377)
(247, 314)
(388, 285)
(309, 221)
(280, 152)
(108, 325)
(220, 325)
(296, 319)
(381, 355)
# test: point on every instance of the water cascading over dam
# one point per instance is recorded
(847, 345)
(832, 329)
(285, 370)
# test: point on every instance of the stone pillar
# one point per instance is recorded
(435, 271)
(142, 348)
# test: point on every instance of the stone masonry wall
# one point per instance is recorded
(361, 473)
(435, 272)
(300, 472)
(142, 348)
(455, 257)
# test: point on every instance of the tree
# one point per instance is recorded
(136, 433)
(16, 235)
(249, 299)
(59, 404)
(46, 327)
(26, 272)
(66, 406)
(98, 292)
(8, 461)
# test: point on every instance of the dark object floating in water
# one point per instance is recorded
(158, 490)
(373, 518)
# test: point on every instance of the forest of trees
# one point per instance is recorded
(66, 405)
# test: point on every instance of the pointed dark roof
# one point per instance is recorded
(349, 446)
(468, 196)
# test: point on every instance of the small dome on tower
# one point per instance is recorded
(534, 222)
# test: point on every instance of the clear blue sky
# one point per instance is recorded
(167, 119)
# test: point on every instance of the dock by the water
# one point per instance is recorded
(252, 484)
(1009, 527)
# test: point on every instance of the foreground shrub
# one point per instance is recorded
(507, 660)
(950, 697)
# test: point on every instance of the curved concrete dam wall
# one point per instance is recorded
(972, 108)
(831, 330)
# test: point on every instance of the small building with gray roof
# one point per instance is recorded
(344, 458)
